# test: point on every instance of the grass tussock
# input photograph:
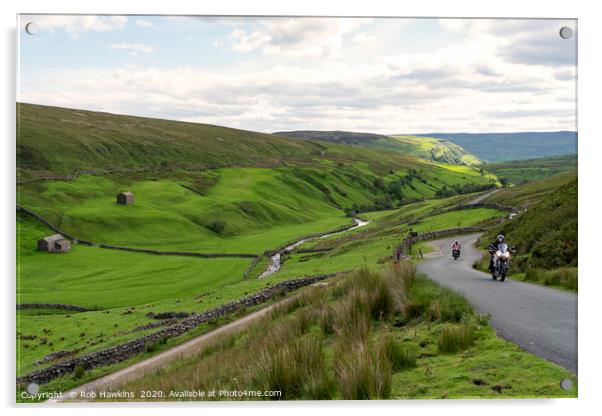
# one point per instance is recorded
(362, 372)
(401, 357)
(455, 338)
(334, 341)
(296, 369)
(565, 278)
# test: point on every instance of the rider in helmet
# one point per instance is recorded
(493, 247)
(456, 245)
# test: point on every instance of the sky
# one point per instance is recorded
(380, 75)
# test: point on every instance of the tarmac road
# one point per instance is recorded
(540, 319)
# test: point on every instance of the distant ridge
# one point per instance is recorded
(499, 147)
(434, 149)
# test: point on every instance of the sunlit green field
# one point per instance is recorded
(437, 149)
(258, 210)
(528, 170)
(100, 278)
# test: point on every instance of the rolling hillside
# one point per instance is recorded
(208, 182)
(424, 147)
(497, 147)
(546, 234)
(518, 171)
(217, 192)
(530, 193)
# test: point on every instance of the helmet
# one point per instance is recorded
(500, 238)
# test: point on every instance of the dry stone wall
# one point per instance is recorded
(62, 306)
(432, 235)
(131, 249)
(122, 352)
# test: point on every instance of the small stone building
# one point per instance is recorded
(54, 244)
(125, 198)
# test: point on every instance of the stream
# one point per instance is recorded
(275, 263)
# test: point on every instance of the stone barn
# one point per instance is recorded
(125, 198)
(54, 244)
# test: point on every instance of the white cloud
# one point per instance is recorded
(134, 47)
(528, 41)
(401, 94)
(296, 37)
(473, 76)
(145, 23)
(80, 24)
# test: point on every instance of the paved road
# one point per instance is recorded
(484, 196)
(540, 319)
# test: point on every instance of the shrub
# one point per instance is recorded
(78, 371)
(217, 226)
(568, 278)
(413, 310)
(532, 274)
(455, 338)
(551, 279)
(400, 357)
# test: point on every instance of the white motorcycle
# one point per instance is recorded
(501, 261)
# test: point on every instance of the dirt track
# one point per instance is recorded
(138, 370)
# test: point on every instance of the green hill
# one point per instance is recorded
(530, 193)
(518, 171)
(546, 234)
(424, 147)
(204, 186)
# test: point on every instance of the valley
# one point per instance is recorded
(223, 202)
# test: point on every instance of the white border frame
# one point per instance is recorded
(589, 94)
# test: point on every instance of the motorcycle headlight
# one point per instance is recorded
(498, 253)
(507, 255)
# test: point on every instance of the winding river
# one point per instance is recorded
(275, 261)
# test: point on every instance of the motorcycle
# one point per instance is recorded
(501, 261)
(455, 253)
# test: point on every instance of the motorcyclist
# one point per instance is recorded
(493, 247)
(456, 246)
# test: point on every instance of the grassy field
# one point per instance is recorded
(123, 287)
(257, 209)
(229, 210)
(519, 171)
(530, 193)
(99, 279)
(374, 244)
(456, 219)
(357, 339)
